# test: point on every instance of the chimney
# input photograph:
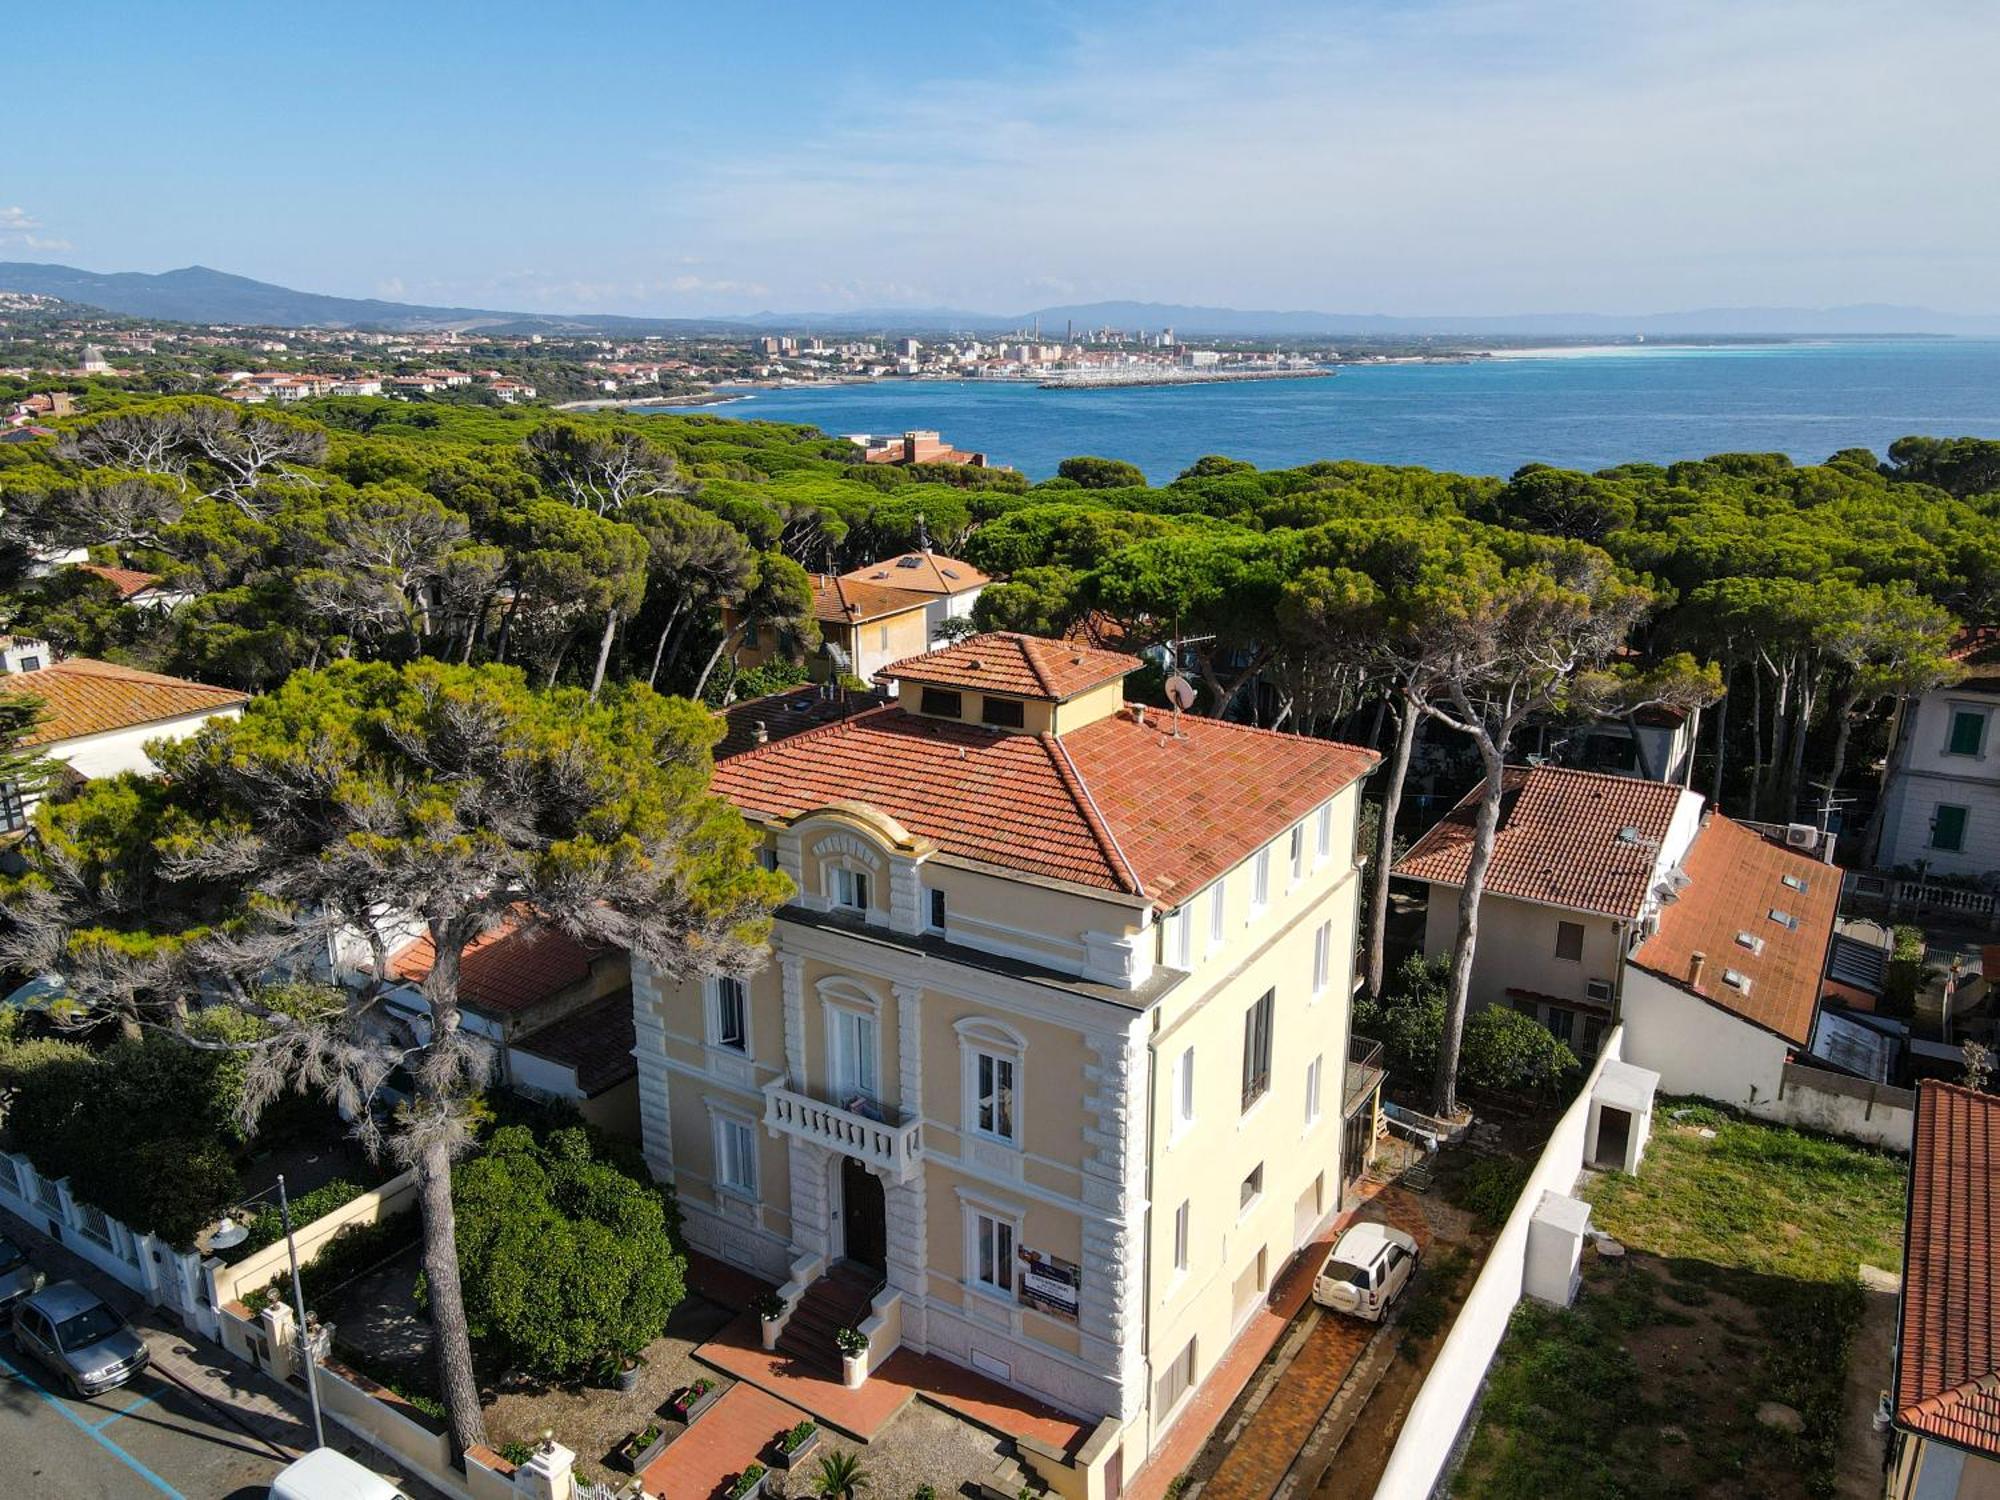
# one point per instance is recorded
(1697, 962)
(760, 733)
(1139, 714)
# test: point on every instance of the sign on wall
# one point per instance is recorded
(1049, 1284)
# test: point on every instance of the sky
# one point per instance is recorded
(1440, 157)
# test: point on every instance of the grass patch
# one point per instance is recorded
(1739, 1288)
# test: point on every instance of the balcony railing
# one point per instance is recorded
(894, 1149)
(1364, 1069)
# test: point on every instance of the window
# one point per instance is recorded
(1184, 1091)
(1216, 904)
(1736, 979)
(1795, 883)
(1298, 852)
(31, 664)
(853, 1035)
(750, 641)
(1257, 1048)
(1175, 940)
(850, 889)
(13, 812)
(1006, 713)
(1260, 881)
(1251, 1189)
(1569, 941)
(882, 638)
(735, 1155)
(767, 856)
(993, 1095)
(1322, 957)
(1325, 844)
(937, 911)
(942, 702)
(1181, 1226)
(1948, 827)
(1175, 1382)
(1314, 1071)
(1968, 732)
(1784, 919)
(728, 1013)
(992, 1254)
(1561, 1022)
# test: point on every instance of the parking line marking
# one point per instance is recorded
(91, 1432)
(126, 1411)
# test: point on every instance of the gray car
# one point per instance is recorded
(79, 1337)
(17, 1276)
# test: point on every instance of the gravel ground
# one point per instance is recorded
(924, 1445)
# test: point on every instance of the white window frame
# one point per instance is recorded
(1177, 939)
(980, 1037)
(1952, 712)
(1260, 882)
(841, 1011)
(1218, 914)
(984, 1221)
(1315, 1077)
(714, 994)
(1323, 849)
(842, 888)
(1183, 1235)
(1322, 974)
(1261, 1074)
(740, 1150)
(1253, 1185)
(1184, 1095)
(1297, 850)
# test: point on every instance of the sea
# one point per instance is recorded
(1575, 408)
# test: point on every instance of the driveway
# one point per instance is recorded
(146, 1438)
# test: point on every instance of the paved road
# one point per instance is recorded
(149, 1438)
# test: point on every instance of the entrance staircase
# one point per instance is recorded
(838, 1300)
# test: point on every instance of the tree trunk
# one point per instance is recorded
(1385, 844)
(1721, 743)
(506, 627)
(603, 651)
(1486, 825)
(713, 657)
(1756, 741)
(556, 665)
(1849, 701)
(653, 677)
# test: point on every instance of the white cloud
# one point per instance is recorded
(18, 218)
(1447, 156)
(18, 226)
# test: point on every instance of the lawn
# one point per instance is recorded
(1738, 1293)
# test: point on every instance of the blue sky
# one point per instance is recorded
(1404, 156)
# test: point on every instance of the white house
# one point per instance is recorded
(952, 586)
(98, 718)
(1941, 795)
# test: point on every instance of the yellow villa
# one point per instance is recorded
(1048, 1073)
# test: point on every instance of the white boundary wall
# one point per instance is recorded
(1446, 1398)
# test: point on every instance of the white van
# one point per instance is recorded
(327, 1474)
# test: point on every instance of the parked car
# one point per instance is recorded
(18, 1276)
(79, 1337)
(328, 1474)
(1370, 1266)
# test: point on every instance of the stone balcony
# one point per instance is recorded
(891, 1150)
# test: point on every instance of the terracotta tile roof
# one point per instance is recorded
(509, 969)
(1947, 1351)
(1736, 880)
(1027, 666)
(848, 601)
(785, 714)
(1561, 840)
(596, 1041)
(82, 697)
(926, 572)
(128, 581)
(1114, 805)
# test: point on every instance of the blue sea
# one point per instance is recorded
(1581, 410)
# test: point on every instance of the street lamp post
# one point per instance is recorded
(227, 1236)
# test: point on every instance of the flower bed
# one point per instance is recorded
(749, 1482)
(694, 1398)
(642, 1447)
(797, 1444)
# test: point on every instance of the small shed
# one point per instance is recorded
(1621, 1117)
(1554, 1268)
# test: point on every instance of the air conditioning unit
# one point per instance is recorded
(1801, 835)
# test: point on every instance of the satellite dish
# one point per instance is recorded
(1180, 692)
(228, 1235)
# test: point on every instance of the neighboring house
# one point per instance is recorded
(584, 1059)
(1055, 1043)
(1946, 1395)
(869, 624)
(140, 589)
(1657, 745)
(914, 448)
(1941, 798)
(98, 717)
(952, 586)
(1611, 899)
(24, 653)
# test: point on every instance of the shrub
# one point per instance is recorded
(851, 1341)
(1488, 1187)
(1504, 1049)
(354, 1250)
(746, 1481)
(767, 1306)
(268, 1227)
(562, 1255)
(517, 1453)
(1409, 1018)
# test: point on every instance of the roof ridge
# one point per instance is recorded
(1632, 781)
(804, 734)
(1256, 729)
(1086, 805)
(1034, 660)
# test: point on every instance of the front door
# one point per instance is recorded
(864, 1219)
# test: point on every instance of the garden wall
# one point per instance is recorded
(228, 1283)
(1446, 1398)
(1815, 1099)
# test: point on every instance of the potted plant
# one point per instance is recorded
(619, 1371)
(797, 1443)
(643, 1446)
(853, 1347)
(694, 1398)
(749, 1482)
(769, 1308)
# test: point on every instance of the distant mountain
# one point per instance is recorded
(197, 294)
